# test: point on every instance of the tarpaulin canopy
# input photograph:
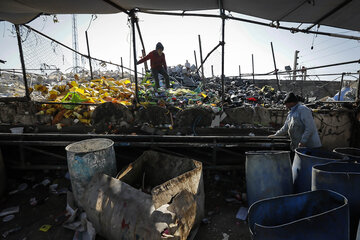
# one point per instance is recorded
(336, 13)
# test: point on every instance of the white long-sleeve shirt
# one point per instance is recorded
(301, 127)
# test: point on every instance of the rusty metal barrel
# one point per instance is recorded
(304, 159)
(344, 178)
(314, 215)
(268, 174)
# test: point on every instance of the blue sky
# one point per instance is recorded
(109, 37)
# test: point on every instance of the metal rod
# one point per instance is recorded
(212, 70)
(276, 70)
(253, 73)
(27, 93)
(117, 7)
(89, 56)
(201, 59)
(143, 52)
(122, 69)
(14, 99)
(240, 71)
(222, 14)
(45, 152)
(337, 8)
(291, 29)
(341, 84)
(133, 20)
(207, 56)
(195, 59)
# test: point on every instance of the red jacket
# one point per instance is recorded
(156, 61)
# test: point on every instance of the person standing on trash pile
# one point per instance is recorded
(299, 124)
(158, 64)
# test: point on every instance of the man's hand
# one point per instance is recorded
(271, 136)
(301, 145)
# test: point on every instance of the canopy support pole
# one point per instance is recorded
(142, 43)
(223, 17)
(133, 20)
(207, 56)
(27, 93)
(88, 48)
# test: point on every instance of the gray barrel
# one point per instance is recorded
(268, 174)
(351, 153)
(343, 178)
(304, 159)
(85, 159)
(314, 215)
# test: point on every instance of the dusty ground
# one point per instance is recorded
(222, 194)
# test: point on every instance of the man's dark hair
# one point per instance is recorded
(291, 98)
(159, 46)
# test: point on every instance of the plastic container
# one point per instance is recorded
(315, 215)
(351, 153)
(343, 178)
(17, 130)
(85, 159)
(304, 159)
(268, 174)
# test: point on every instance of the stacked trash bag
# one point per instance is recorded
(315, 196)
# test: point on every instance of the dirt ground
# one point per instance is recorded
(223, 199)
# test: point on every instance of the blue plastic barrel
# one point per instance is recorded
(304, 159)
(314, 215)
(268, 174)
(343, 178)
(351, 153)
(85, 159)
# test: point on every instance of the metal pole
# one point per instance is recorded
(240, 71)
(88, 48)
(253, 73)
(142, 42)
(195, 60)
(201, 59)
(222, 13)
(122, 69)
(295, 65)
(133, 20)
(276, 70)
(212, 70)
(27, 93)
(358, 89)
(341, 84)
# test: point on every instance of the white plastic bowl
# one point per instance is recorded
(17, 130)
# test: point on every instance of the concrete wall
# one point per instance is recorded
(335, 126)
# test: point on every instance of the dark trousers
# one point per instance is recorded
(155, 73)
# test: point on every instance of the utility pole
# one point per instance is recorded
(295, 64)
